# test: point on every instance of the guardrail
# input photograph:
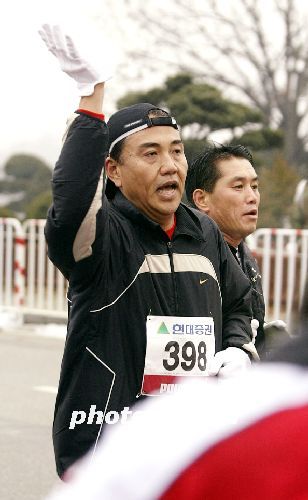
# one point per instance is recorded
(27, 277)
(29, 281)
(12, 262)
(282, 255)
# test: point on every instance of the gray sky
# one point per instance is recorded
(36, 96)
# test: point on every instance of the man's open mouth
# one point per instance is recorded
(168, 186)
(253, 212)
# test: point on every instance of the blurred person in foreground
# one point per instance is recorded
(154, 291)
(226, 439)
(222, 182)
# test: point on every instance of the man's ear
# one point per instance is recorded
(201, 200)
(113, 171)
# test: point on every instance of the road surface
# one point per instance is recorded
(30, 360)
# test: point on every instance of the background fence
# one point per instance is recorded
(28, 280)
(31, 283)
(282, 256)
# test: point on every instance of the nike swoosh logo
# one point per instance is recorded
(202, 282)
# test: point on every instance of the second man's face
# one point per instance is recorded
(234, 202)
(152, 172)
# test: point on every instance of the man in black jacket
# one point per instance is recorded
(154, 292)
(223, 183)
(262, 430)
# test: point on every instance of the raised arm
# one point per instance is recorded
(94, 102)
(76, 183)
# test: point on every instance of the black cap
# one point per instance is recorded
(130, 120)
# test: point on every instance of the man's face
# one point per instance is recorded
(152, 172)
(234, 202)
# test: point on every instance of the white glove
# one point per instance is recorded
(229, 362)
(254, 328)
(63, 48)
(277, 323)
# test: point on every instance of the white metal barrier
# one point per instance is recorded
(28, 279)
(46, 287)
(12, 262)
(282, 255)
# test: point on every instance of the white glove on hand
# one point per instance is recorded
(64, 49)
(229, 362)
(277, 323)
(254, 328)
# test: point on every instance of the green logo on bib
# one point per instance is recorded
(163, 329)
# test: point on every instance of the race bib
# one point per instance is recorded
(176, 347)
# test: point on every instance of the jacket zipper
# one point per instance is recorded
(175, 290)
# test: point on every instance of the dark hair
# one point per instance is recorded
(118, 147)
(117, 151)
(203, 172)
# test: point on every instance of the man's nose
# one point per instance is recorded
(252, 195)
(168, 165)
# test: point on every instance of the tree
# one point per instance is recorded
(257, 49)
(299, 212)
(27, 175)
(201, 109)
(6, 212)
(277, 188)
(38, 207)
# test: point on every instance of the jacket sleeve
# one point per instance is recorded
(77, 193)
(236, 304)
(252, 271)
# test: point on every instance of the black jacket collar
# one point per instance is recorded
(186, 221)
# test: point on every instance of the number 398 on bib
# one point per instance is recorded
(176, 347)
